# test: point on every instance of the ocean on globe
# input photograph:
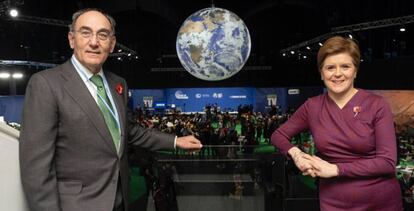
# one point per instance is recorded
(213, 44)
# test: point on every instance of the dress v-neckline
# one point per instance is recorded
(347, 103)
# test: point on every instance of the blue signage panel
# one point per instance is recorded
(195, 99)
(228, 99)
(146, 97)
(266, 97)
(11, 107)
(296, 96)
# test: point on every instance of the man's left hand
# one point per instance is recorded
(188, 142)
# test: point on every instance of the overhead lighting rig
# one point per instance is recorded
(124, 52)
(347, 30)
(9, 7)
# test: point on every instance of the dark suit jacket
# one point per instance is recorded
(405, 186)
(67, 157)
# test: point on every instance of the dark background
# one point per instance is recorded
(150, 28)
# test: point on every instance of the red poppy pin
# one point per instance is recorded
(357, 110)
(119, 89)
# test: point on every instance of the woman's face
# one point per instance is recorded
(338, 73)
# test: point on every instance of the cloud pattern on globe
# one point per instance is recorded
(213, 44)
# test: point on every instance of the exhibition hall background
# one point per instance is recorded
(194, 99)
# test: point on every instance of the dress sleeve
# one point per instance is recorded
(297, 123)
(386, 150)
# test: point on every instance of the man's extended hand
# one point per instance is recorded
(188, 142)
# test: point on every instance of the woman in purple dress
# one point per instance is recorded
(353, 133)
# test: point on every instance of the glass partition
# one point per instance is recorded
(220, 177)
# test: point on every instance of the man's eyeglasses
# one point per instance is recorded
(101, 35)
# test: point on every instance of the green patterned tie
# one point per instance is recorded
(109, 118)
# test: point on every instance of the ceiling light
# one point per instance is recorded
(402, 29)
(350, 36)
(13, 13)
(283, 54)
(4, 75)
(320, 44)
(17, 75)
(307, 47)
(292, 52)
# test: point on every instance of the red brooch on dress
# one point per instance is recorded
(357, 110)
(119, 89)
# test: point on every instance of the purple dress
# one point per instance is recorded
(360, 140)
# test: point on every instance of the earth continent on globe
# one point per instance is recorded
(213, 44)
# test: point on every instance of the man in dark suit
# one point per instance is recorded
(75, 132)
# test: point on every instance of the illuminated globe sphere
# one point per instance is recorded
(213, 44)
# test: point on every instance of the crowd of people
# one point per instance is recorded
(215, 128)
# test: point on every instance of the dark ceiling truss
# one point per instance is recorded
(62, 23)
(301, 47)
(30, 64)
(375, 24)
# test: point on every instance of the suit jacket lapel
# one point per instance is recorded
(120, 106)
(80, 93)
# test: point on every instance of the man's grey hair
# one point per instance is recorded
(77, 14)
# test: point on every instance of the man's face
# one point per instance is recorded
(92, 40)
